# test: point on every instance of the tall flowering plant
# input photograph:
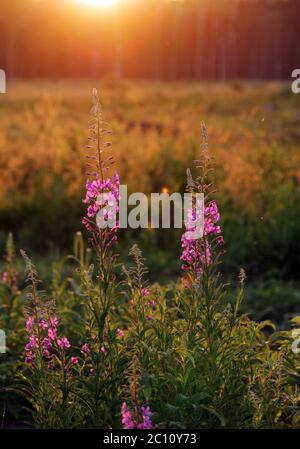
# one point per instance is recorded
(140, 415)
(48, 358)
(102, 196)
(99, 346)
(200, 253)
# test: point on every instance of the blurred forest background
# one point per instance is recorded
(156, 39)
(161, 67)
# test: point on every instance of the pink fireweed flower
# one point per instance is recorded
(151, 303)
(63, 343)
(108, 202)
(47, 344)
(34, 341)
(47, 354)
(43, 324)
(29, 324)
(103, 349)
(129, 423)
(85, 349)
(54, 321)
(29, 348)
(52, 333)
(145, 292)
(30, 359)
(120, 333)
(194, 255)
(126, 417)
(146, 415)
(5, 277)
(149, 317)
(74, 360)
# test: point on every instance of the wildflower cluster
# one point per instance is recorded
(43, 340)
(102, 196)
(130, 423)
(198, 253)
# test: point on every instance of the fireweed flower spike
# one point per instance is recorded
(102, 192)
(194, 254)
(198, 253)
(100, 220)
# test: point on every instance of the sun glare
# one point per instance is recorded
(99, 3)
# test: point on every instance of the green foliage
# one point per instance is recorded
(198, 362)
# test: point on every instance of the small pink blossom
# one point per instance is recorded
(5, 277)
(29, 324)
(52, 333)
(47, 344)
(54, 321)
(85, 349)
(120, 333)
(145, 292)
(43, 324)
(146, 415)
(30, 358)
(74, 360)
(126, 417)
(63, 343)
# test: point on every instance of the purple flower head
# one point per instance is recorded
(47, 354)
(102, 195)
(195, 254)
(85, 349)
(43, 324)
(30, 358)
(145, 292)
(120, 333)
(29, 324)
(34, 341)
(5, 277)
(47, 344)
(146, 416)
(129, 423)
(126, 417)
(63, 343)
(52, 333)
(54, 321)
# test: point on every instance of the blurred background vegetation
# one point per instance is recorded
(254, 139)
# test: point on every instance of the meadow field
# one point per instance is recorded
(254, 140)
(253, 137)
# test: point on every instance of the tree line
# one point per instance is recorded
(152, 39)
